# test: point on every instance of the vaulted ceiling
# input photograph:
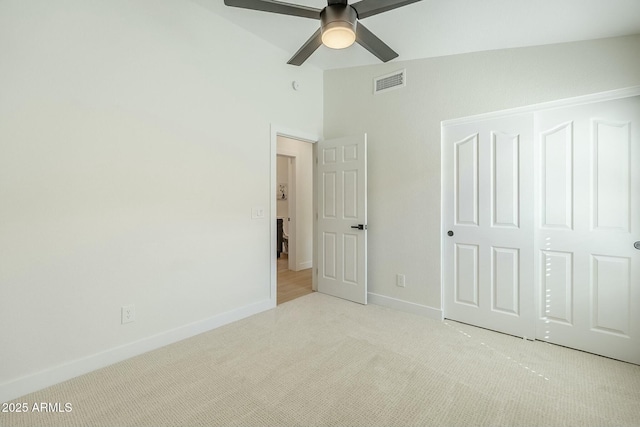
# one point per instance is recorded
(445, 27)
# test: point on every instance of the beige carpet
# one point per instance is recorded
(322, 361)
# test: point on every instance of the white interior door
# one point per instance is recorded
(488, 224)
(342, 218)
(588, 219)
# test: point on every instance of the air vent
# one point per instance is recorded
(391, 81)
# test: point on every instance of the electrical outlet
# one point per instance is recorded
(400, 280)
(128, 313)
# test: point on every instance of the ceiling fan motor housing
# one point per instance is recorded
(338, 21)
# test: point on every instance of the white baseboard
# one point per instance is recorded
(48, 377)
(305, 265)
(409, 307)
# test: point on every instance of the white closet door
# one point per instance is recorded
(488, 224)
(587, 220)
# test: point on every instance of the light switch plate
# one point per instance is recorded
(257, 213)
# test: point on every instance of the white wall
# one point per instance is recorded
(301, 194)
(134, 142)
(403, 127)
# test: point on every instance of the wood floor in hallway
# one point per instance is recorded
(292, 284)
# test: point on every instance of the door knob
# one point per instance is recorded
(449, 233)
(359, 226)
(637, 245)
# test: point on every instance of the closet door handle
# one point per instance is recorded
(359, 227)
(637, 245)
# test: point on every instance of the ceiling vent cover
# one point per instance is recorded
(391, 81)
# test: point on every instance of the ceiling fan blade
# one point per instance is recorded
(307, 49)
(366, 8)
(373, 44)
(276, 7)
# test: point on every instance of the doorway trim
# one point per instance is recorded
(276, 131)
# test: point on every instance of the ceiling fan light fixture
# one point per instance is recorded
(338, 24)
(338, 36)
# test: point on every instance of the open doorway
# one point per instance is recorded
(294, 218)
(343, 263)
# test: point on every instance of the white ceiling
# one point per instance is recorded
(432, 28)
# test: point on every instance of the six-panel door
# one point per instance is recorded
(342, 209)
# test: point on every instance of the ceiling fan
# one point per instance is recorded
(339, 24)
